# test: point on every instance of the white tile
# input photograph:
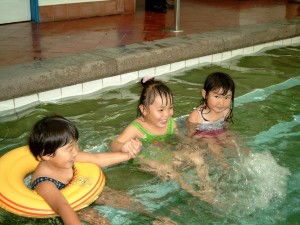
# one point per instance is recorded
(237, 52)
(276, 43)
(71, 91)
(111, 81)
(192, 62)
(48, 96)
(248, 50)
(159, 70)
(287, 41)
(217, 57)
(26, 100)
(7, 105)
(226, 55)
(269, 44)
(259, 47)
(92, 86)
(177, 66)
(205, 59)
(150, 72)
(296, 40)
(128, 77)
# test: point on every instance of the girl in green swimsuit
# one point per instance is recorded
(154, 123)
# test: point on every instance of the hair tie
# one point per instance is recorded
(146, 78)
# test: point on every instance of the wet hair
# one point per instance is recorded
(51, 133)
(151, 89)
(215, 81)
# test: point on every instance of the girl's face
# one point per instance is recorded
(65, 155)
(216, 101)
(159, 112)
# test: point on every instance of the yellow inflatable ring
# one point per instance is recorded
(17, 198)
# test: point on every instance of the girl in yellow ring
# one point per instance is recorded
(53, 141)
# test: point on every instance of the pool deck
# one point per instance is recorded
(134, 45)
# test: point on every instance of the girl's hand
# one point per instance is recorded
(132, 147)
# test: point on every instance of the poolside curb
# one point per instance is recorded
(39, 76)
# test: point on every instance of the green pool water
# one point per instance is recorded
(260, 188)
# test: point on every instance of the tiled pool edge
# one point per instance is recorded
(18, 103)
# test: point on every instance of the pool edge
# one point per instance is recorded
(88, 72)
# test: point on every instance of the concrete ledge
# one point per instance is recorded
(39, 76)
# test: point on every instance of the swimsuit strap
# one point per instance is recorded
(140, 128)
(57, 183)
(39, 180)
(170, 126)
(201, 116)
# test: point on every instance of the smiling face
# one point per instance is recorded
(218, 101)
(64, 156)
(158, 113)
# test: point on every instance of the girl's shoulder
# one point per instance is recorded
(137, 123)
(194, 116)
(135, 128)
(39, 171)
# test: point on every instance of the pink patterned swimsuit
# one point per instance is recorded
(210, 128)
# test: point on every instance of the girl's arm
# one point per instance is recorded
(127, 141)
(54, 198)
(104, 159)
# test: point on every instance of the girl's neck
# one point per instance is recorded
(61, 174)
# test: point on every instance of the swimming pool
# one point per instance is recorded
(261, 188)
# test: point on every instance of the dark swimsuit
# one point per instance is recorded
(57, 183)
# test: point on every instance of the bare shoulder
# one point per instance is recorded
(37, 172)
(130, 132)
(194, 116)
(42, 171)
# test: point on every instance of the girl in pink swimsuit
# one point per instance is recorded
(209, 121)
(215, 110)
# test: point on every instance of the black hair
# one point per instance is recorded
(51, 133)
(216, 81)
(151, 89)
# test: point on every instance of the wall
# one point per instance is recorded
(57, 10)
(12, 11)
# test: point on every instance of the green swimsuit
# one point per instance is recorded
(155, 147)
(151, 137)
